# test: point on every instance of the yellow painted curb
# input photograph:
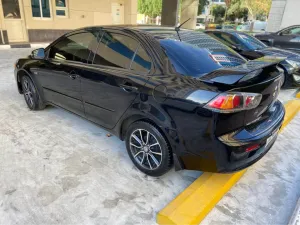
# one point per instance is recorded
(298, 95)
(195, 202)
(291, 109)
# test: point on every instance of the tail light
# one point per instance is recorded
(234, 102)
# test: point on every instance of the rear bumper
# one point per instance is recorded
(228, 154)
(263, 134)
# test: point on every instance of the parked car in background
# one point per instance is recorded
(228, 27)
(287, 38)
(178, 98)
(252, 48)
(258, 26)
(200, 26)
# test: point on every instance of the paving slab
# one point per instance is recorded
(269, 190)
(57, 168)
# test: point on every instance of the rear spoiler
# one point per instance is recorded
(232, 75)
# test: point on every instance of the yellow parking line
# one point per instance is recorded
(196, 201)
(291, 109)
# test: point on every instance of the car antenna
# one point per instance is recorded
(177, 29)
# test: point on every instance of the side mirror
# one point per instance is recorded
(38, 53)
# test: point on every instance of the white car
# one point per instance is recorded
(200, 26)
(258, 26)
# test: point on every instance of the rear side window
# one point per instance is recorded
(141, 61)
(115, 50)
(75, 47)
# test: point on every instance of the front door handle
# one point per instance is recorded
(73, 75)
(128, 88)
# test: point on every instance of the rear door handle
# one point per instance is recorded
(128, 88)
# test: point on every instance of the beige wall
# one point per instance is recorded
(81, 13)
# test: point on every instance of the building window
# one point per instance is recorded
(61, 8)
(11, 9)
(41, 8)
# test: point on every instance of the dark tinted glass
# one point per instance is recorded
(60, 12)
(11, 9)
(227, 38)
(189, 60)
(141, 61)
(35, 5)
(36, 10)
(115, 50)
(252, 42)
(60, 3)
(76, 47)
(46, 8)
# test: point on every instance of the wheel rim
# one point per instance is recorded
(145, 149)
(28, 93)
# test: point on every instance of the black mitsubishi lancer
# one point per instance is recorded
(177, 97)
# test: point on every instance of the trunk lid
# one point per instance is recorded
(260, 76)
(252, 71)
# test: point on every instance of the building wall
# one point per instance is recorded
(283, 13)
(291, 14)
(80, 13)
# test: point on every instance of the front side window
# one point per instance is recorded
(76, 47)
(40, 8)
(115, 50)
(11, 9)
(61, 8)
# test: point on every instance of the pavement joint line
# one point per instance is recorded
(193, 204)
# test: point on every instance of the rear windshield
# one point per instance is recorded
(198, 54)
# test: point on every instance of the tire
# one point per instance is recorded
(31, 95)
(141, 151)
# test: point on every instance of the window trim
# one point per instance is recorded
(41, 11)
(66, 9)
(140, 44)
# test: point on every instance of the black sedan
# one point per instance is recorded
(287, 38)
(175, 98)
(252, 48)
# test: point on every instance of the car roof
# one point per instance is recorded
(193, 37)
(154, 30)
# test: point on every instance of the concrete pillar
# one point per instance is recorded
(189, 9)
(130, 11)
(276, 15)
(169, 12)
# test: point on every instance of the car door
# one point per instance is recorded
(110, 85)
(60, 75)
(288, 39)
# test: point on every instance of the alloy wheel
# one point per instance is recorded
(145, 149)
(28, 92)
